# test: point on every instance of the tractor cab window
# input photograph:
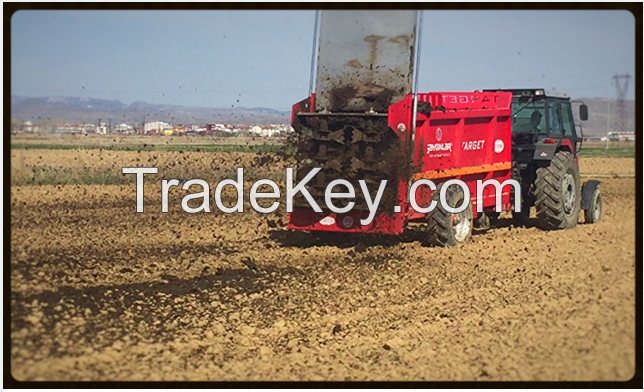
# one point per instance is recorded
(567, 120)
(529, 117)
(554, 118)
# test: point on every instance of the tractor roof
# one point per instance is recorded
(533, 92)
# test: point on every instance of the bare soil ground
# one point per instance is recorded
(607, 166)
(99, 292)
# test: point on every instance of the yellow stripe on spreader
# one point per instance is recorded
(463, 171)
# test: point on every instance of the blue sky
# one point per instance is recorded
(262, 58)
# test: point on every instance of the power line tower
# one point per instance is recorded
(621, 86)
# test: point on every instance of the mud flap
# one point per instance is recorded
(544, 152)
(587, 192)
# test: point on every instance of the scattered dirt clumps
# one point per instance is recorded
(100, 292)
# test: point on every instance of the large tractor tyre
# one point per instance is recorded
(445, 228)
(558, 193)
(594, 212)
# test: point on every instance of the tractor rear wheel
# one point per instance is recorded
(558, 193)
(446, 228)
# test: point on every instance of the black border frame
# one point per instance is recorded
(10, 8)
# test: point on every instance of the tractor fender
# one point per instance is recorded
(587, 192)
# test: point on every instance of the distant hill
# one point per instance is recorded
(89, 110)
(597, 116)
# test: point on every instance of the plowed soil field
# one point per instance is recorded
(99, 292)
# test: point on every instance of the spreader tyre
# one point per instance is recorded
(594, 212)
(445, 228)
(558, 193)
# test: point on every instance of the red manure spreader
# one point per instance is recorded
(365, 122)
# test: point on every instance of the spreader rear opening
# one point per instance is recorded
(352, 148)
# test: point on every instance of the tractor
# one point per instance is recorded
(545, 147)
(364, 122)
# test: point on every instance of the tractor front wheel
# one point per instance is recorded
(594, 212)
(445, 228)
(558, 193)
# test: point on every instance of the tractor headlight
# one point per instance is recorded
(539, 92)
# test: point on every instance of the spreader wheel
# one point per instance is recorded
(558, 193)
(449, 229)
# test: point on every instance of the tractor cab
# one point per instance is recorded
(542, 125)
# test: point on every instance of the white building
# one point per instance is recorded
(156, 126)
(271, 130)
(123, 128)
(101, 128)
(622, 136)
(27, 126)
(88, 128)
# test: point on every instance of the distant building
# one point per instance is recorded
(123, 128)
(271, 130)
(88, 128)
(212, 128)
(69, 128)
(621, 136)
(156, 127)
(101, 128)
(28, 126)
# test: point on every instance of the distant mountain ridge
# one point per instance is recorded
(90, 110)
(599, 111)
